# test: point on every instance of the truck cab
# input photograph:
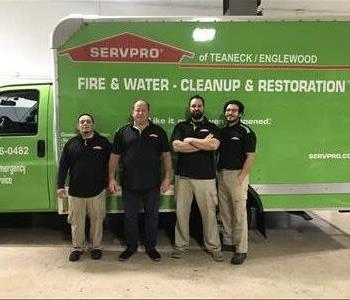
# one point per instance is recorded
(27, 167)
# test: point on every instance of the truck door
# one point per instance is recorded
(23, 148)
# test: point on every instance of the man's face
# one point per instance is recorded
(196, 109)
(232, 113)
(85, 125)
(140, 112)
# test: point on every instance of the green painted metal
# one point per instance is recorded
(24, 176)
(299, 110)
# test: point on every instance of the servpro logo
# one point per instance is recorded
(127, 47)
(131, 53)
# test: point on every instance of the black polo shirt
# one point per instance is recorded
(86, 160)
(236, 141)
(140, 155)
(200, 164)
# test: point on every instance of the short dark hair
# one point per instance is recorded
(86, 114)
(235, 102)
(196, 97)
(148, 105)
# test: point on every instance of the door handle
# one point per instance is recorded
(41, 148)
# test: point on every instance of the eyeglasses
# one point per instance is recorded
(232, 110)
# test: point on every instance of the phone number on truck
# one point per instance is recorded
(18, 150)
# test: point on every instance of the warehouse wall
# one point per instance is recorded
(25, 26)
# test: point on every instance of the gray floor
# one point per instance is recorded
(299, 259)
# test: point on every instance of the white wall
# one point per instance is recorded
(25, 26)
(306, 8)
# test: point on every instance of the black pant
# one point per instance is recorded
(131, 201)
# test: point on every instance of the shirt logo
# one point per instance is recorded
(235, 138)
(153, 135)
(204, 130)
(97, 147)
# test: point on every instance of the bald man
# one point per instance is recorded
(139, 147)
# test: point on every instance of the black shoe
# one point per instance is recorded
(75, 255)
(238, 258)
(153, 254)
(96, 253)
(228, 248)
(126, 254)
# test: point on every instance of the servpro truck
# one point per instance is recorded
(293, 77)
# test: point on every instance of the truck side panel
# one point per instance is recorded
(292, 76)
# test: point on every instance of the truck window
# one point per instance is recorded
(19, 112)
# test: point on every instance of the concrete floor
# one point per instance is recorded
(299, 259)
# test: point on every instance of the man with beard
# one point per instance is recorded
(237, 153)
(195, 141)
(85, 157)
(140, 146)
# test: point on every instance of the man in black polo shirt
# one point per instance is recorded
(196, 140)
(139, 147)
(237, 153)
(85, 157)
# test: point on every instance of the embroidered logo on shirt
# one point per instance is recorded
(153, 135)
(97, 147)
(235, 138)
(204, 130)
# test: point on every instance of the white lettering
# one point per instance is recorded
(13, 169)
(91, 83)
(306, 86)
(231, 57)
(326, 156)
(146, 84)
(212, 85)
(306, 59)
(94, 52)
(106, 52)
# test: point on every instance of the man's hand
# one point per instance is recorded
(246, 166)
(209, 143)
(61, 193)
(188, 140)
(241, 177)
(165, 185)
(114, 186)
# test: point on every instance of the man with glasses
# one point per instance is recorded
(85, 157)
(237, 153)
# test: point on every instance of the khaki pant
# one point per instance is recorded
(95, 208)
(205, 193)
(232, 207)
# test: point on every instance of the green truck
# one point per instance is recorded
(293, 77)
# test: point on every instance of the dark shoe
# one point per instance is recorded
(153, 254)
(238, 258)
(126, 254)
(228, 248)
(96, 254)
(75, 255)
